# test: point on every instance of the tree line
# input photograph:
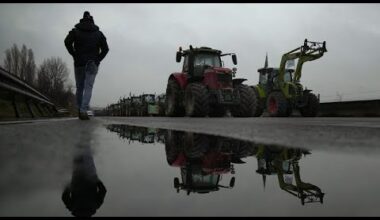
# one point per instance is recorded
(50, 77)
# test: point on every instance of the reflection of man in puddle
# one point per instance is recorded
(85, 193)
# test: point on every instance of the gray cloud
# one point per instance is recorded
(143, 39)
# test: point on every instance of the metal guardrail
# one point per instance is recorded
(12, 87)
(358, 108)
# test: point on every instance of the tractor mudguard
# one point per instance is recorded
(260, 91)
(180, 78)
(306, 91)
(238, 81)
(305, 95)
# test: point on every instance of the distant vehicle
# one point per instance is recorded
(90, 113)
(63, 112)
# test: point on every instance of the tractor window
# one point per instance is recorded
(205, 180)
(149, 99)
(207, 59)
(275, 76)
(263, 78)
(288, 76)
(186, 64)
(149, 139)
(136, 99)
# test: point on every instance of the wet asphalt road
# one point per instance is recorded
(36, 164)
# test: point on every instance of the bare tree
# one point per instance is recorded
(20, 63)
(12, 57)
(15, 53)
(8, 60)
(30, 69)
(52, 80)
(23, 59)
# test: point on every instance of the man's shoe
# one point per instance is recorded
(80, 115)
(85, 116)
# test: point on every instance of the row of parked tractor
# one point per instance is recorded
(205, 87)
(138, 105)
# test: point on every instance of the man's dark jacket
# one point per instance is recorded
(87, 40)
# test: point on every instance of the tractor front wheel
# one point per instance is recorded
(196, 100)
(247, 100)
(312, 107)
(258, 107)
(173, 105)
(277, 105)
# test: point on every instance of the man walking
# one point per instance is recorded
(88, 46)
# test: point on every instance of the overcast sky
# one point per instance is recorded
(143, 40)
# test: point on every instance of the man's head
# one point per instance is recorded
(86, 14)
(87, 17)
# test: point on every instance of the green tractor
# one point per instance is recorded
(161, 104)
(135, 102)
(124, 106)
(279, 90)
(147, 105)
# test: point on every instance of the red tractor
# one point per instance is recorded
(206, 88)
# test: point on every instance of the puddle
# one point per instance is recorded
(204, 159)
(120, 170)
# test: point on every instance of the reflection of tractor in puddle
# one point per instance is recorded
(160, 136)
(203, 160)
(284, 162)
(132, 133)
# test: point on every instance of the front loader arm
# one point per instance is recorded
(308, 52)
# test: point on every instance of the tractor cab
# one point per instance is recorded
(197, 60)
(270, 75)
(136, 136)
(149, 135)
(269, 78)
(197, 180)
(135, 99)
(148, 98)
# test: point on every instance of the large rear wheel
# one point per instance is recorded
(247, 100)
(312, 107)
(277, 105)
(196, 145)
(196, 100)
